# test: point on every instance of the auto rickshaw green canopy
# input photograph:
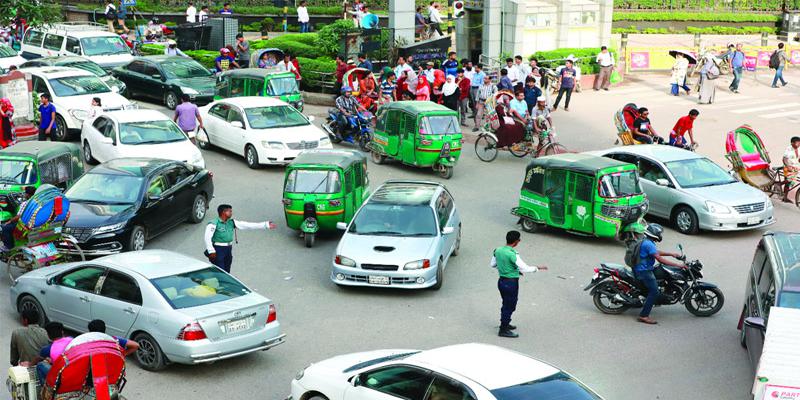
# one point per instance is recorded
(340, 158)
(583, 163)
(416, 107)
(43, 151)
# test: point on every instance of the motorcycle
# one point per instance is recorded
(615, 289)
(361, 134)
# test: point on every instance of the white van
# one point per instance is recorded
(89, 40)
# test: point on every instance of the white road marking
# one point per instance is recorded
(781, 114)
(778, 106)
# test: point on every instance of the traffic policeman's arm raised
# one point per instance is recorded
(521, 265)
(238, 224)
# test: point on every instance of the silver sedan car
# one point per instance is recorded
(693, 192)
(177, 308)
(402, 236)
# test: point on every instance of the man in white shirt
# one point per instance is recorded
(402, 67)
(191, 13)
(522, 69)
(513, 72)
(203, 15)
(302, 17)
(436, 18)
(606, 62)
(791, 165)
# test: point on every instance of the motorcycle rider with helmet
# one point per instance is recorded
(643, 271)
(348, 108)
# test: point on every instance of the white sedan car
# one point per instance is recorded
(136, 133)
(459, 372)
(263, 129)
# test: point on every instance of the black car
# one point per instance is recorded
(166, 79)
(120, 204)
(773, 280)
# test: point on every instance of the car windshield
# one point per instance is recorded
(394, 220)
(15, 172)
(440, 125)
(78, 85)
(789, 299)
(198, 288)
(620, 184)
(6, 51)
(150, 132)
(274, 117)
(86, 66)
(698, 172)
(180, 68)
(311, 181)
(106, 189)
(104, 46)
(558, 386)
(281, 86)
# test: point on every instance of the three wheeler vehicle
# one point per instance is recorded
(269, 82)
(623, 119)
(322, 188)
(751, 163)
(356, 79)
(581, 193)
(419, 133)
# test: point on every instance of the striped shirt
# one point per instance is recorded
(387, 88)
(485, 91)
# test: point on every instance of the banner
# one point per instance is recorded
(658, 58)
(777, 392)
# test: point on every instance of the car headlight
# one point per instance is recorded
(188, 90)
(79, 114)
(419, 264)
(716, 208)
(108, 228)
(121, 86)
(298, 104)
(342, 260)
(272, 145)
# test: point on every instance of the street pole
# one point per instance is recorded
(450, 25)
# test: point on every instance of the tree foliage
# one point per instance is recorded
(35, 12)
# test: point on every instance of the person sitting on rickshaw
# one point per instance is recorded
(510, 131)
(518, 108)
(791, 165)
(642, 129)
(8, 227)
(348, 108)
(367, 102)
(367, 86)
(542, 121)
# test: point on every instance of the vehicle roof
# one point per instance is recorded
(136, 115)
(155, 263)
(340, 158)
(578, 162)
(406, 192)
(51, 72)
(38, 149)
(159, 58)
(60, 60)
(253, 101)
(76, 33)
(142, 167)
(658, 152)
(416, 106)
(787, 258)
(491, 366)
(780, 357)
(255, 72)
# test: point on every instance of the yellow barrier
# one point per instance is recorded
(658, 58)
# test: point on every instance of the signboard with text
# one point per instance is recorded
(777, 392)
(429, 50)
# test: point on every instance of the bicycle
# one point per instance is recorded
(783, 185)
(486, 145)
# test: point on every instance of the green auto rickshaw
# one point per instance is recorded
(259, 82)
(418, 133)
(581, 193)
(323, 187)
(35, 164)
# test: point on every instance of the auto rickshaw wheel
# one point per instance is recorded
(529, 225)
(486, 148)
(309, 238)
(377, 158)
(445, 171)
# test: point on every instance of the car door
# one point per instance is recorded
(72, 46)
(235, 137)
(117, 303)
(580, 196)
(40, 86)
(52, 44)
(179, 178)
(765, 298)
(32, 44)
(555, 189)
(393, 130)
(216, 123)
(133, 77)
(97, 134)
(151, 81)
(70, 296)
(751, 304)
(159, 203)
(390, 383)
(444, 211)
(660, 197)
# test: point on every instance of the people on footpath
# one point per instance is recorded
(606, 62)
(191, 13)
(643, 271)
(122, 13)
(435, 18)
(302, 17)
(464, 88)
(791, 166)
(709, 71)
(782, 62)
(684, 125)
(226, 9)
(475, 82)
(505, 80)
(566, 84)
(111, 15)
(47, 123)
(679, 71)
(202, 16)
(220, 235)
(450, 66)
(450, 93)
(736, 62)
(242, 51)
(28, 340)
(188, 118)
(510, 267)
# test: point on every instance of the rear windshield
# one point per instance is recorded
(198, 288)
(87, 66)
(78, 85)
(559, 386)
(620, 184)
(310, 181)
(6, 51)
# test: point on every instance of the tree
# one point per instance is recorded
(35, 12)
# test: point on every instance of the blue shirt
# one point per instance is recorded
(647, 256)
(365, 64)
(737, 60)
(450, 67)
(505, 83)
(531, 94)
(477, 79)
(47, 115)
(519, 106)
(223, 11)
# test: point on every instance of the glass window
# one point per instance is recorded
(136, 66)
(39, 86)
(620, 184)
(274, 117)
(17, 172)
(157, 186)
(313, 181)
(584, 187)
(78, 85)
(235, 115)
(56, 170)
(100, 124)
(628, 158)
(121, 287)
(651, 171)
(33, 37)
(401, 381)
(699, 172)
(53, 42)
(441, 125)
(556, 386)
(104, 46)
(255, 87)
(198, 288)
(183, 68)
(444, 388)
(86, 66)
(178, 175)
(534, 180)
(588, 17)
(73, 46)
(7, 51)
(237, 87)
(789, 300)
(393, 122)
(150, 132)
(394, 220)
(444, 207)
(150, 70)
(282, 86)
(84, 279)
(106, 189)
(220, 110)
(380, 119)
(348, 180)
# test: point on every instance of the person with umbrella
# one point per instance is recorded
(679, 71)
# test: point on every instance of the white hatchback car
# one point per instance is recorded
(8, 58)
(136, 133)
(460, 372)
(263, 129)
(72, 91)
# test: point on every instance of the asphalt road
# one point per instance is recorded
(683, 357)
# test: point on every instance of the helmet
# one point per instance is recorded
(654, 231)
(346, 89)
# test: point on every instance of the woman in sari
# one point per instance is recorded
(7, 126)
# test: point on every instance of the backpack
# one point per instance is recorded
(632, 252)
(774, 60)
(713, 71)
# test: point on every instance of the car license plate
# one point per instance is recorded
(753, 220)
(378, 280)
(238, 325)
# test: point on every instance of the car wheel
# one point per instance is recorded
(199, 208)
(149, 356)
(318, 397)
(137, 239)
(29, 302)
(457, 247)
(87, 153)
(439, 275)
(61, 133)
(171, 100)
(530, 226)
(685, 220)
(251, 156)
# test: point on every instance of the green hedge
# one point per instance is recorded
(586, 58)
(315, 72)
(711, 30)
(693, 16)
(725, 6)
(328, 43)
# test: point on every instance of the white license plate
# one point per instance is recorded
(238, 325)
(753, 220)
(378, 280)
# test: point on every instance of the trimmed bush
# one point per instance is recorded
(711, 30)
(586, 58)
(329, 36)
(693, 16)
(315, 71)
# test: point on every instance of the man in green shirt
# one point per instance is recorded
(27, 340)
(510, 266)
(221, 234)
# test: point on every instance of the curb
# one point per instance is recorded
(318, 99)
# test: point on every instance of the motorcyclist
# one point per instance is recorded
(348, 108)
(643, 271)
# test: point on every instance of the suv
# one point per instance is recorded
(92, 41)
(80, 63)
(72, 91)
(773, 280)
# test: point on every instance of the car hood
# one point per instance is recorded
(393, 250)
(202, 85)
(6, 62)
(92, 215)
(733, 194)
(308, 133)
(338, 364)
(180, 151)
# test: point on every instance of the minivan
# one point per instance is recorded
(90, 40)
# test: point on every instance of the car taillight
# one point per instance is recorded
(192, 331)
(273, 314)
(287, 202)
(335, 203)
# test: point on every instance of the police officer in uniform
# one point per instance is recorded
(510, 266)
(221, 234)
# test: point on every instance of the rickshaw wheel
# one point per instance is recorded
(797, 197)
(486, 148)
(72, 251)
(377, 158)
(445, 171)
(21, 261)
(519, 149)
(529, 225)
(553, 148)
(310, 238)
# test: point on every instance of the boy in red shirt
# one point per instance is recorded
(463, 100)
(683, 126)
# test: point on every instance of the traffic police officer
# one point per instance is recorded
(221, 234)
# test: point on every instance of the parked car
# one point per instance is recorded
(471, 371)
(166, 79)
(80, 63)
(121, 204)
(402, 236)
(772, 280)
(136, 133)
(693, 192)
(263, 129)
(9, 57)
(90, 40)
(72, 91)
(179, 309)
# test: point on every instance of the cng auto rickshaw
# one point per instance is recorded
(35, 164)
(418, 133)
(269, 82)
(581, 193)
(322, 188)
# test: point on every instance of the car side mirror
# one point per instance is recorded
(156, 76)
(76, 49)
(152, 198)
(49, 281)
(355, 380)
(341, 226)
(311, 118)
(237, 124)
(755, 322)
(448, 230)
(662, 182)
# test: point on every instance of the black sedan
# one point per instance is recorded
(121, 204)
(166, 79)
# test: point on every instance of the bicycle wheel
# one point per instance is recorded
(519, 150)
(797, 195)
(486, 148)
(552, 148)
